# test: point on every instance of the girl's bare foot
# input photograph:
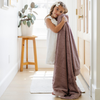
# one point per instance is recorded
(53, 93)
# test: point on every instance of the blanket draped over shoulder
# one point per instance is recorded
(67, 64)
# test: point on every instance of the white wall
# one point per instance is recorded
(9, 46)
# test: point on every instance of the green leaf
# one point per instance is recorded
(28, 23)
(20, 14)
(32, 21)
(36, 6)
(24, 22)
(25, 7)
(19, 23)
(29, 16)
(23, 10)
(33, 17)
(32, 5)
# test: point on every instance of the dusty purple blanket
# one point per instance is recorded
(66, 65)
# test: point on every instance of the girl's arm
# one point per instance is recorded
(54, 28)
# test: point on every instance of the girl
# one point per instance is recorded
(60, 43)
(51, 23)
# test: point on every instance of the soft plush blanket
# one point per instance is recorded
(67, 64)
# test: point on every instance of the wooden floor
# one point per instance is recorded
(19, 88)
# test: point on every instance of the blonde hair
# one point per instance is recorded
(52, 8)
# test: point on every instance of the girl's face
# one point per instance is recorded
(57, 11)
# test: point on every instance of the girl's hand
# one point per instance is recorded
(64, 19)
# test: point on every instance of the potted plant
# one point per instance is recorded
(27, 19)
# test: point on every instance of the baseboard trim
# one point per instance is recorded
(85, 81)
(90, 86)
(95, 93)
(9, 77)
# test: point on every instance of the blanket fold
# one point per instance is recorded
(67, 64)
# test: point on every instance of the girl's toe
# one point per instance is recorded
(53, 93)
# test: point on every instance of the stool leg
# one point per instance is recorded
(26, 52)
(22, 55)
(35, 55)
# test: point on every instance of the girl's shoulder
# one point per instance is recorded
(54, 21)
(49, 17)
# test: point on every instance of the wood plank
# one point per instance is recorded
(35, 54)
(29, 63)
(33, 36)
(27, 53)
(22, 55)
